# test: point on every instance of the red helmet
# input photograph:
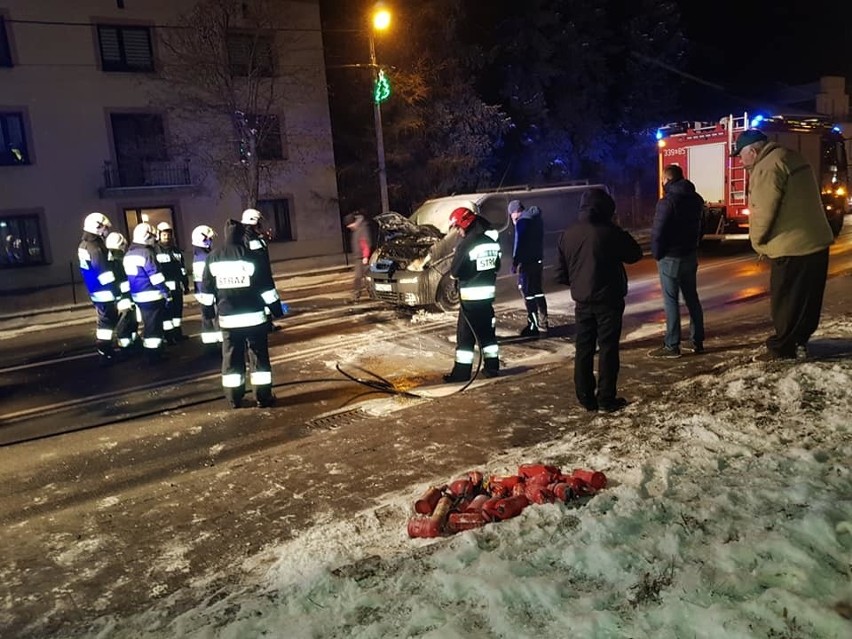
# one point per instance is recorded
(462, 217)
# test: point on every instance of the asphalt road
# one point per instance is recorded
(160, 466)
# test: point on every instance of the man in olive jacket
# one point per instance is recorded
(787, 224)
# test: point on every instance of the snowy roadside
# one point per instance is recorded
(729, 515)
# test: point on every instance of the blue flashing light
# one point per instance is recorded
(756, 120)
(836, 129)
(659, 134)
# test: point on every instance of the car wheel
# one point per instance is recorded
(447, 295)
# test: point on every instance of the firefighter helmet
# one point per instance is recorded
(164, 226)
(463, 217)
(144, 234)
(251, 216)
(116, 242)
(202, 236)
(97, 223)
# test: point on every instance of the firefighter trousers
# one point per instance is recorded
(152, 324)
(476, 324)
(597, 324)
(174, 314)
(234, 342)
(530, 285)
(796, 288)
(105, 331)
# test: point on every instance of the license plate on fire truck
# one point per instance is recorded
(383, 287)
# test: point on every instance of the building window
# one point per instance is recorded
(20, 241)
(251, 55)
(5, 49)
(125, 48)
(13, 140)
(276, 213)
(269, 145)
(140, 148)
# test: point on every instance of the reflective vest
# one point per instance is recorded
(475, 265)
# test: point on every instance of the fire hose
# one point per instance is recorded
(472, 501)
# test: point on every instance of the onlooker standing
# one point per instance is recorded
(236, 278)
(592, 254)
(100, 280)
(675, 234)
(787, 224)
(362, 248)
(527, 257)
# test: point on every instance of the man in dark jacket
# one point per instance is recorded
(173, 266)
(675, 234)
(475, 265)
(236, 278)
(527, 257)
(592, 254)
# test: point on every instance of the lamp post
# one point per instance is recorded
(381, 21)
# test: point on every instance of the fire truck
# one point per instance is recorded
(703, 151)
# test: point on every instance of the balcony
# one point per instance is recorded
(148, 177)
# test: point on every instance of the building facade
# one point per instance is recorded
(84, 127)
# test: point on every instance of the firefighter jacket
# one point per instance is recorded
(203, 296)
(476, 262)
(593, 251)
(786, 214)
(96, 270)
(147, 282)
(170, 259)
(676, 230)
(257, 246)
(235, 277)
(529, 237)
(116, 263)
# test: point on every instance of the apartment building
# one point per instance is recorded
(83, 127)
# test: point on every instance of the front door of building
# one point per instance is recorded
(153, 216)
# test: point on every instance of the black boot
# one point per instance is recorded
(460, 373)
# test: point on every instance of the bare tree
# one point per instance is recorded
(224, 81)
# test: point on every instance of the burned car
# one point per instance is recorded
(413, 255)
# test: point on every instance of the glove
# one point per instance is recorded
(276, 310)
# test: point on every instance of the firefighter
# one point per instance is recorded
(148, 288)
(125, 328)
(527, 257)
(173, 267)
(202, 243)
(254, 239)
(475, 265)
(100, 281)
(235, 276)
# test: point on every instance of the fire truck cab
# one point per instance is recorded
(703, 151)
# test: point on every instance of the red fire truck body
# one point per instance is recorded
(703, 151)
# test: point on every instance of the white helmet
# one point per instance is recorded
(97, 223)
(164, 226)
(251, 216)
(116, 242)
(202, 236)
(144, 234)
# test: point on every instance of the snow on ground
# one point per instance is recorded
(729, 514)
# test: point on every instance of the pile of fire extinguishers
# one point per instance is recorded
(472, 501)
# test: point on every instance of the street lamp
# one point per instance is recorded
(381, 21)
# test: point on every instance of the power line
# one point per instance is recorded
(63, 23)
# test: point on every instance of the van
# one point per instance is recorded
(411, 263)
